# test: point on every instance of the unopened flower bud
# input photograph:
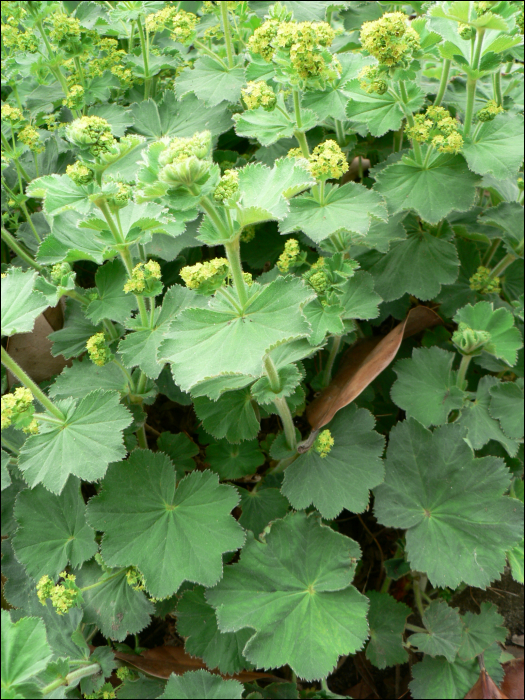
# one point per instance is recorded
(470, 341)
(79, 173)
(466, 32)
(489, 111)
(98, 351)
(228, 186)
(91, 133)
(259, 94)
(482, 282)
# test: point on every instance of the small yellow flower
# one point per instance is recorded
(98, 351)
(327, 161)
(259, 94)
(228, 186)
(390, 39)
(210, 272)
(324, 443)
(290, 255)
(483, 283)
(489, 112)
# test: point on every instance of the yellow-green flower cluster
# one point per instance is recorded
(180, 148)
(204, 274)
(13, 38)
(186, 161)
(489, 111)
(64, 596)
(125, 673)
(93, 133)
(13, 405)
(208, 8)
(79, 173)
(482, 282)
(317, 277)
(121, 197)
(470, 341)
(11, 114)
(248, 234)
(327, 161)
(31, 138)
(106, 692)
(180, 24)
(64, 27)
(324, 443)
(112, 61)
(259, 94)
(143, 275)
(248, 279)
(59, 271)
(135, 579)
(390, 39)
(483, 7)
(261, 41)
(466, 31)
(75, 98)
(290, 255)
(437, 128)
(98, 351)
(372, 80)
(228, 186)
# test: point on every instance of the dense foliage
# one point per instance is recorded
(231, 201)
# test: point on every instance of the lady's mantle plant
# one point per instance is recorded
(192, 180)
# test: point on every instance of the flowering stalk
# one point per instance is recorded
(472, 82)
(227, 33)
(496, 82)
(502, 266)
(410, 122)
(299, 135)
(37, 392)
(17, 248)
(336, 344)
(280, 403)
(234, 258)
(443, 82)
(144, 47)
(79, 673)
(462, 372)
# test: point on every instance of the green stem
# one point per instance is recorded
(472, 82)
(35, 163)
(336, 344)
(209, 208)
(141, 437)
(141, 384)
(496, 82)
(125, 372)
(417, 596)
(410, 121)
(297, 109)
(210, 53)
(398, 139)
(8, 445)
(415, 628)
(227, 34)
(80, 71)
(272, 374)
(145, 58)
(76, 296)
(502, 266)
(20, 250)
(321, 191)
(430, 151)
(89, 670)
(226, 294)
(110, 329)
(462, 371)
(489, 255)
(443, 82)
(324, 685)
(303, 143)
(287, 421)
(233, 253)
(37, 392)
(340, 134)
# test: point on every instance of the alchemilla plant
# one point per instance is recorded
(232, 203)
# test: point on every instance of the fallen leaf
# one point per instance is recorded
(511, 686)
(362, 363)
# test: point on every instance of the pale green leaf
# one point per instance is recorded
(444, 629)
(481, 631)
(211, 81)
(25, 653)
(171, 534)
(259, 507)
(231, 416)
(21, 304)
(289, 379)
(196, 622)
(89, 438)
(347, 208)
(291, 589)
(382, 234)
(325, 320)
(497, 148)
(118, 116)
(200, 684)
(387, 619)
(79, 379)
(508, 217)
(506, 405)
(112, 302)
(180, 449)
(446, 184)
(358, 298)
(60, 193)
(459, 525)
(516, 561)
(419, 266)
(344, 477)
(234, 461)
(505, 338)
(71, 340)
(137, 222)
(6, 477)
(380, 113)
(68, 243)
(52, 530)
(265, 127)
(426, 386)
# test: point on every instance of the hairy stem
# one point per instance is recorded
(502, 266)
(491, 252)
(76, 675)
(20, 250)
(472, 82)
(462, 371)
(233, 253)
(443, 82)
(227, 34)
(417, 596)
(273, 375)
(336, 344)
(26, 380)
(287, 420)
(340, 134)
(410, 121)
(209, 53)
(145, 57)
(496, 83)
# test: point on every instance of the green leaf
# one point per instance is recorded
(113, 606)
(140, 688)
(232, 416)
(52, 530)
(458, 522)
(426, 386)
(358, 298)
(71, 340)
(380, 113)
(171, 118)
(480, 425)
(234, 461)
(6, 477)
(507, 216)
(444, 629)
(516, 559)
(201, 684)
(481, 631)
(265, 127)
(171, 534)
(325, 320)
(387, 619)
(137, 221)
(497, 148)
(446, 184)
(60, 193)
(197, 622)
(140, 347)
(505, 338)
(89, 438)
(180, 449)
(506, 405)
(259, 507)
(270, 318)
(112, 301)
(347, 208)
(382, 234)
(118, 116)
(68, 243)
(417, 266)
(211, 81)
(343, 478)
(290, 589)
(79, 379)
(25, 654)
(21, 304)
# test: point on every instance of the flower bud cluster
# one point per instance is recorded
(317, 277)
(482, 8)
(145, 278)
(64, 28)
(98, 351)
(248, 234)
(17, 408)
(92, 133)
(489, 111)
(135, 579)
(259, 94)
(112, 60)
(106, 692)
(437, 128)
(31, 138)
(206, 277)
(123, 195)
(75, 97)
(390, 39)
(79, 173)
(11, 114)
(228, 186)
(59, 271)
(13, 38)
(180, 24)
(290, 256)
(466, 31)
(186, 161)
(327, 161)
(372, 80)
(469, 341)
(483, 283)
(64, 596)
(324, 443)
